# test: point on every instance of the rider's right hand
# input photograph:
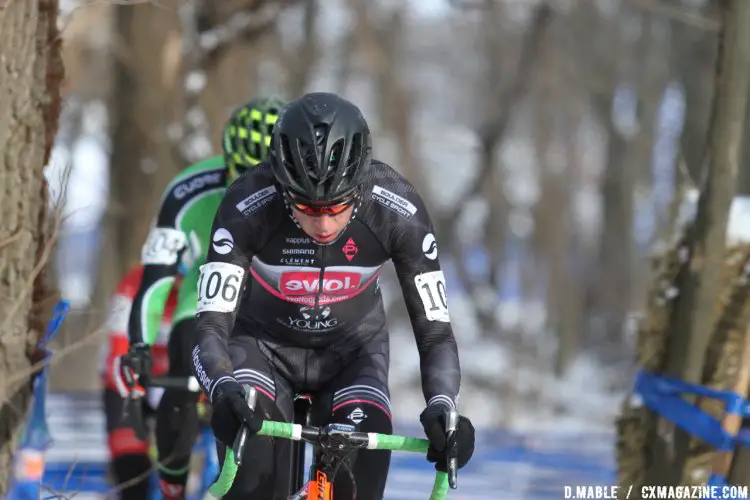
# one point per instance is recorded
(230, 411)
(433, 422)
(130, 371)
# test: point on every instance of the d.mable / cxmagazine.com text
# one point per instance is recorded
(656, 492)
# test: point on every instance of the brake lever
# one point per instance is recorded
(451, 424)
(251, 396)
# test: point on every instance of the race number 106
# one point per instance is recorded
(219, 287)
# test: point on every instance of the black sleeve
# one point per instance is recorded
(220, 286)
(415, 255)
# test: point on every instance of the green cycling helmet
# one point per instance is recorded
(247, 134)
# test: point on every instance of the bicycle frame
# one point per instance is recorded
(302, 405)
(332, 443)
(320, 489)
(345, 441)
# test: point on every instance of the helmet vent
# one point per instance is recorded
(355, 156)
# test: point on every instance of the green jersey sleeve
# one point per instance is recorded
(175, 242)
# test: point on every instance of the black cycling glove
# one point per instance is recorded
(131, 371)
(230, 412)
(433, 421)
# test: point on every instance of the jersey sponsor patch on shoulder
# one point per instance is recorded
(431, 288)
(256, 201)
(398, 204)
(163, 246)
(219, 287)
(222, 241)
(429, 246)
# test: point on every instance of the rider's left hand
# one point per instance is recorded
(130, 371)
(231, 412)
(433, 421)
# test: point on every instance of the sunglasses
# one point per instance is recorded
(314, 210)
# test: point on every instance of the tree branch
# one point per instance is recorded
(202, 47)
(249, 23)
(492, 132)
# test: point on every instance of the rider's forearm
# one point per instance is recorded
(149, 302)
(160, 257)
(210, 354)
(220, 287)
(219, 290)
(441, 371)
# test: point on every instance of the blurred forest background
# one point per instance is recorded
(549, 139)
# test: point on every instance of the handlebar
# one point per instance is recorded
(352, 440)
(133, 412)
(189, 384)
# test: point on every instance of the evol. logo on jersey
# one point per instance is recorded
(335, 286)
(313, 285)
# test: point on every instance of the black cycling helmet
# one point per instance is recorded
(322, 148)
(247, 134)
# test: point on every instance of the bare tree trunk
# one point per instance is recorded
(166, 53)
(653, 77)
(382, 43)
(499, 106)
(305, 54)
(87, 60)
(743, 176)
(567, 290)
(694, 313)
(609, 302)
(224, 91)
(141, 161)
(558, 110)
(695, 58)
(30, 78)
(615, 244)
(140, 110)
(345, 52)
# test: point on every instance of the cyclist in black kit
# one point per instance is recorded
(312, 228)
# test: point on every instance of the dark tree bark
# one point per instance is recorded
(694, 313)
(30, 79)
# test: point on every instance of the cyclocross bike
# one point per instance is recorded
(332, 444)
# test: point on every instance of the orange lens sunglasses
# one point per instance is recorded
(318, 210)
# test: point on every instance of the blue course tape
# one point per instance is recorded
(29, 458)
(664, 396)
